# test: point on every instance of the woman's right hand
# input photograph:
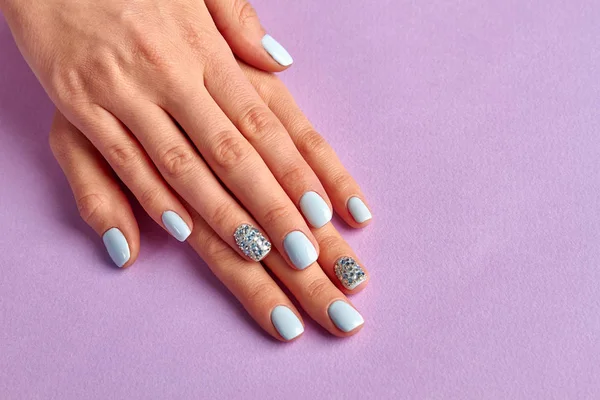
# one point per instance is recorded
(105, 208)
(154, 87)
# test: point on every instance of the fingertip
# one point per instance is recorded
(346, 318)
(277, 52)
(288, 324)
(358, 214)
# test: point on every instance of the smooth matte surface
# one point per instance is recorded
(473, 127)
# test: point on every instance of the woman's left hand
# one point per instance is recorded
(103, 205)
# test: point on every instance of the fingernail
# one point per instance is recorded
(176, 225)
(277, 51)
(286, 322)
(359, 210)
(349, 272)
(344, 316)
(117, 246)
(299, 249)
(314, 208)
(252, 242)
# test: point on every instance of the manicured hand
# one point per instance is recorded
(118, 227)
(155, 88)
(104, 206)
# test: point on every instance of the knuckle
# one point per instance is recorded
(318, 287)
(149, 196)
(69, 85)
(122, 156)
(293, 175)
(230, 151)
(90, 206)
(177, 161)
(330, 243)
(199, 40)
(245, 12)
(259, 292)
(257, 121)
(310, 142)
(221, 214)
(275, 214)
(143, 46)
(342, 182)
(212, 248)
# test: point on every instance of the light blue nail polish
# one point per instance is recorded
(286, 322)
(277, 51)
(359, 210)
(117, 246)
(344, 316)
(314, 208)
(176, 225)
(299, 249)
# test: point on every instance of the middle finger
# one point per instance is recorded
(244, 172)
(268, 136)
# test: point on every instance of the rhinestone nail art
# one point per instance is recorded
(252, 242)
(349, 272)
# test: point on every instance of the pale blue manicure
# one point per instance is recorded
(359, 210)
(299, 249)
(277, 51)
(117, 246)
(344, 316)
(286, 322)
(314, 208)
(176, 225)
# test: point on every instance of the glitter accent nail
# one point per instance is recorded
(252, 242)
(349, 272)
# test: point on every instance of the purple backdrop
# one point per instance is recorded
(472, 126)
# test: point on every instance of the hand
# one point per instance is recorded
(104, 206)
(169, 109)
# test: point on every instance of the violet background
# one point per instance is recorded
(472, 126)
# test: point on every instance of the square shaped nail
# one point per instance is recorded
(286, 322)
(299, 249)
(359, 210)
(349, 272)
(252, 242)
(117, 247)
(344, 316)
(315, 209)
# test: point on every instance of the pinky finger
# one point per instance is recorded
(100, 200)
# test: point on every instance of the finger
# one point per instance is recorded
(339, 261)
(270, 139)
(244, 172)
(347, 198)
(319, 297)
(129, 161)
(249, 282)
(239, 24)
(101, 202)
(187, 173)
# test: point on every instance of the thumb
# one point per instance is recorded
(238, 23)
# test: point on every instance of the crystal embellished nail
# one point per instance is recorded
(349, 272)
(252, 242)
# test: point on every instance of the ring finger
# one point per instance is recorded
(244, 172)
